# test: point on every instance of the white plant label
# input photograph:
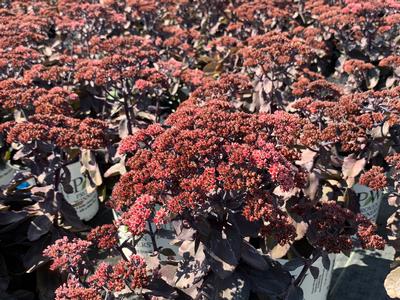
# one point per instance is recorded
(316, 289)
(370, 201)
(163, 237)
(86, 204)
(144, 246)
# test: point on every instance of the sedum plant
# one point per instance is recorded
(221, 178)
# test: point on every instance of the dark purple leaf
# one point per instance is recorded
(4, 278)
(23, 295)
(272, 282)
(293, 264)
(23, 152)
(223, 251)
(38, 227)
(314, 272)
(234, 287)
(252, 257)
(202, 226)
(70, 217)
(352, 200)
(8, 217)
(183, 231)
(245, 227)
(159, 288)
(33, 258)
(326, 262)
(47, 282)
(294, 293)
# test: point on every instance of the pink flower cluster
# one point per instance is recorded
(67, 254)
(208, 149)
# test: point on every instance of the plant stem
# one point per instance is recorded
(57, 173)
(152, 235)
(128, 117)
(157, 110)
(119, 249)
(306, 267)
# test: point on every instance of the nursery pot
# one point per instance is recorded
(318, 288)
(7, 173)
(370, 201)
(164, 237)
(85, 203)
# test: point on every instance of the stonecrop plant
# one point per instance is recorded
(217, 174)
(230, 143)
